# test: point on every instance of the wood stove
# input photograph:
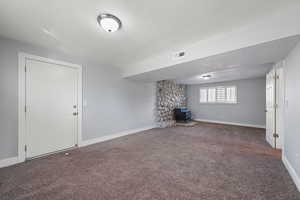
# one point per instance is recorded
(182, 114)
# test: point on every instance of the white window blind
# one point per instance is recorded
(203, 95)
(220, 94)
(231, 94)
(211, 95)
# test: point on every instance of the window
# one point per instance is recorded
(211, 95)
(203, 95)
(221, 96)
(231, 94)
(218, 94)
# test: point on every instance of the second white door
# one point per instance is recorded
(275, 107)
(270, 108)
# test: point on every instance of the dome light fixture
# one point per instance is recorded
(109, 22)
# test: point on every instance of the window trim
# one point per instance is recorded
(216, 102)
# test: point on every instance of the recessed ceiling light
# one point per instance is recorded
(109, 23)
(206, 77)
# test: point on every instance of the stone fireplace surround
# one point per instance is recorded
(169, 95)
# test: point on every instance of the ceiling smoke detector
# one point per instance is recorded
(109, 22)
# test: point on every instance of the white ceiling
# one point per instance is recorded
(244, 63)
(148, 26)
(234, 73)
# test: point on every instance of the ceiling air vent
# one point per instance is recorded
(179, 55)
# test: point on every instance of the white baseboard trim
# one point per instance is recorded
(9, 161)
(15, 160)
(230, 123)
(291, 171)
(113, 136)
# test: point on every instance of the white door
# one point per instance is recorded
(279, 108)
(270, 108)
(51, 107)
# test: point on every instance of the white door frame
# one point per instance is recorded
(22, 96)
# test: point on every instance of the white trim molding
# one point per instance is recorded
(113, 136)
(15, 160)
(230, 123)
(291, 171)
(22, 96)
(9, 161)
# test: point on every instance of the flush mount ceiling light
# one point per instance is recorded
(206, 77)
(109, 23)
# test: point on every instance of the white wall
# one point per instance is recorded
(114, 104)
(250, 109)
(291, 150)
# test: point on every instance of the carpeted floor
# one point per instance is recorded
(207, 161)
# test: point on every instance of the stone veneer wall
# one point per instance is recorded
(169, 95)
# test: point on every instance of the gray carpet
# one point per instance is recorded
(207, 161)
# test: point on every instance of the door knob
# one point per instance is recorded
(75, 113)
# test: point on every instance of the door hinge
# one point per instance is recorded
(25, 109)
(275, 106)
(25, 148)
(25, 69)
(275, 135)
